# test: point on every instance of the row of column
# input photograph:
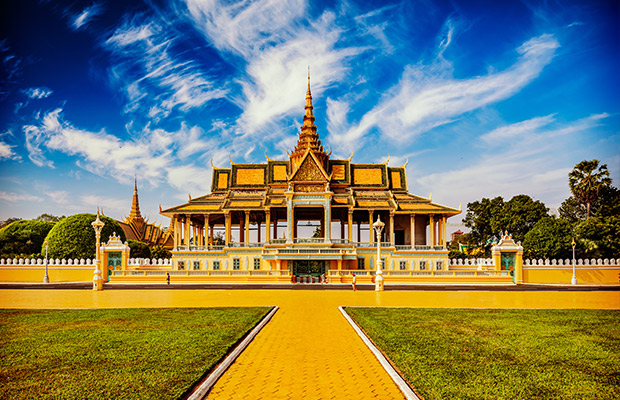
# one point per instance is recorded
(184, 229)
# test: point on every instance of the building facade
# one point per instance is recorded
(308, 218)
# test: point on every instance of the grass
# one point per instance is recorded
(115, 353)
(500, 354)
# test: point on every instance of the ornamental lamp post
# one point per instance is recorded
(378, 225)
(46, 278)
(573, 281)
(97, 279)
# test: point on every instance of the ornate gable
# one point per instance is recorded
(310, 170)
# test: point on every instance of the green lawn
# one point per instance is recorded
(500, 354)
(118, 353)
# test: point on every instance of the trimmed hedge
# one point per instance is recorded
(24, 238)
(74, 236)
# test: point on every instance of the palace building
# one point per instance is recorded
(308, 217)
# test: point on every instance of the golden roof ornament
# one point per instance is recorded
(308, 137)
(135, 214)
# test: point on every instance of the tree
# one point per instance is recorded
(23, 238)
(158, 252)
(74, 236)
(487, 218)
(481, 218)
(572, 210)
(138, 249)
(598, 237)
(520, 214)
(586, 181)
(549, 238)
(8, 221)
(49, 217)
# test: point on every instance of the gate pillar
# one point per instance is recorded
(113, 254)
(508, 255)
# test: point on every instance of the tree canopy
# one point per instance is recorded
(549, 238)
(586, 180)
(488, 218)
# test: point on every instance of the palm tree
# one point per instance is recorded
(586, 180)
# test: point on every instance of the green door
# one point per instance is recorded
(508, 264)
(114, 261)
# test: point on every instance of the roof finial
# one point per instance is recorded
(135, 183)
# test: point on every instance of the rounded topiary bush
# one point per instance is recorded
(23, 238)
(74, 236)
(138, 249)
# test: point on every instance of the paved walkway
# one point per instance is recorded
(308, 350)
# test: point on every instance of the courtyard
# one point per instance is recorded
(307, 349)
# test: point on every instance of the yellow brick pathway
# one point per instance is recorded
(308, 350)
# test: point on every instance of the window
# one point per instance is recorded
(439, 265)
(257, 263)
(360, 263)
(422, 265)
(196, 265)
(236, 263)
(216, 265)
(403, 265)
(181, 265)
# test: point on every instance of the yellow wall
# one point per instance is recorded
(563, 274)
(36, 274)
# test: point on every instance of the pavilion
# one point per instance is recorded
(308, 216)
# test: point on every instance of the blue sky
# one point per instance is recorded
(484, 98)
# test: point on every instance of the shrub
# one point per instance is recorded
(158, 252)
(138, 249)
(74, 236)
(23, 237)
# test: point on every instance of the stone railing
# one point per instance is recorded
(50, 261)
(569, 262)
(139, 262)
(472, 262)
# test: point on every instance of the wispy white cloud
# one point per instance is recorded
(6, 150)
(158, 155)
(277, 41)
(152, 74)
(37, 93)
(108, 205)
(17, 197)
(427, 96)
(530, 154)
(58, 196)
(81, 19)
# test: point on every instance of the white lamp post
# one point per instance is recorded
(573, 281)
(97, 279)
(378, 225)
(46, 278)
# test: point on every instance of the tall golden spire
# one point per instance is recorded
(135, 206)
(308, 138)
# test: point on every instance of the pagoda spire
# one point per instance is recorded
(135, 205)
(308, 137)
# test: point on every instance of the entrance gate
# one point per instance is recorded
(114, 261)
(308, 271)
